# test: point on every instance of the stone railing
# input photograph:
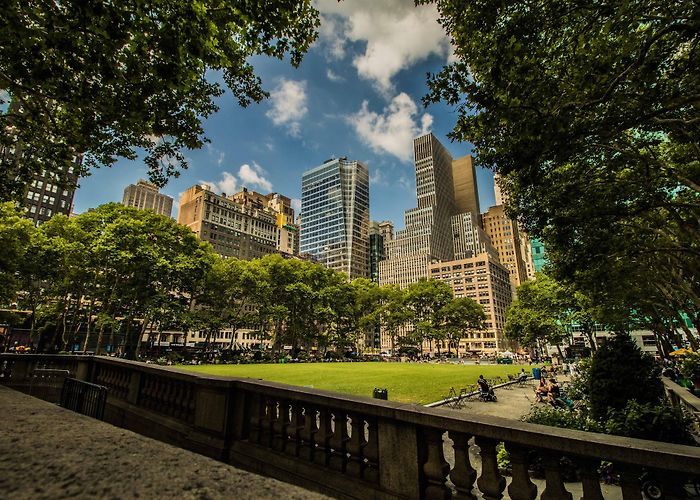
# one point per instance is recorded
(354, 447)
(688, 402)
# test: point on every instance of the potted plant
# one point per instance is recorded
(690, 368)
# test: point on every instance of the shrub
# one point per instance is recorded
(690, 366)
(561, 417)
(620, 372)
(648, 421)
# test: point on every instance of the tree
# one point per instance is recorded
(16, 233)
(590, 113)
(426, 300)
(106, 78)
(392, 313)
(461, 317)
(539, 315)
(620, 372)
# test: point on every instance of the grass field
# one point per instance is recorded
(407, 382)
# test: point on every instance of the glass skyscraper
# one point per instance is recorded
(335, 216)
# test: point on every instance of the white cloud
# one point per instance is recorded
(393, 130)
(249, 176)
(288, 105)
(376, 177)
(228, 184)
(253, 176)
(334, 77)
(396, 35)
(296, 205)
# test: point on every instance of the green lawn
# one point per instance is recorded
(407, 382)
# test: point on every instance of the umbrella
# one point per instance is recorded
(681, 352)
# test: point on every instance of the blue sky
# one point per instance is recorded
(356, 94)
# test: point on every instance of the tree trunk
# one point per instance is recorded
(99, 338)
(89, 324)
(145, 324)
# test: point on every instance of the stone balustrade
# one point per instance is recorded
(680, 397)
(355, 447)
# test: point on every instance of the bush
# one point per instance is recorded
(561, 417)
(648, 421)
(690, 366)
(620, 372)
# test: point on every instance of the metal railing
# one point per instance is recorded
(84, 397)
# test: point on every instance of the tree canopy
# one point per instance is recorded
(590, 112)
(106, 78)
(122, 272)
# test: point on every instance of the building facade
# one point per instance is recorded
(427, 233)
(483, 279)
(46, 196)
(376, 250)
(145, 196)
(539, 257)
(232, 228)
(505, 237)
(335, 216)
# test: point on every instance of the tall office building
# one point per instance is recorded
(469, 238)
(239, 225)
(145, 196)
(427, 235)
(46, 198)
(539, 256)
(376, 250)
(505, 237)
(466, 191)
(486, 281)
(335, 216)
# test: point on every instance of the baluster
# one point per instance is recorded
(338, 441)
(309, 433)
(191, 403)
(521, 487)
(435, 467)
(554, 486)
(279, 426)
(294, 430)
(257, 410)
(267, 421)
(322, 454)
(371, 452)
(147, 393)
(180, 401)
(356, 445)
(463, 475)
(590, 479)
(629, 481)
(490, 483)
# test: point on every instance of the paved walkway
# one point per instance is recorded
(47, 452)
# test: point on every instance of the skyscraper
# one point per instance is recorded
(46, 197)
(466, 191)
(335, 216)
(427, 235)
(145, 196)
(506, 238)
(376, 250)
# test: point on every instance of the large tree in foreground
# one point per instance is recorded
(590, 111)
(104, 78)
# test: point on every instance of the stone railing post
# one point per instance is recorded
(134, 386)
(399, 467)
(463, 474)
(490, 483)
(521, 487)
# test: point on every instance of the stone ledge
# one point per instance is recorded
(49, 452)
